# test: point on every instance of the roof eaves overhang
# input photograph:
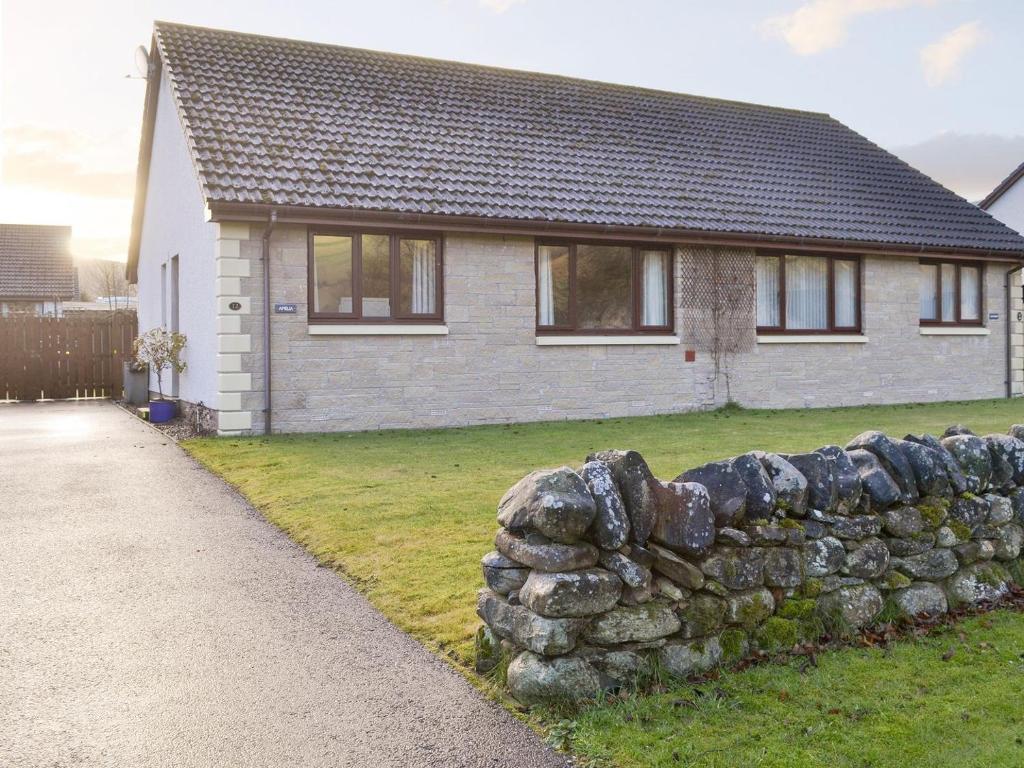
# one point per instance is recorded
(344, 217)
(1002, 188)
(142, 169)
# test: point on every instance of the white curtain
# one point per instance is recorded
(424, 276)
(806, 293)
(845, 273)
(768, 291)
(929, 295)
(654, 269)
(949, 293)
(545, 286)
(969, 283)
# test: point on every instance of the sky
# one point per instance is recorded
(935, 81)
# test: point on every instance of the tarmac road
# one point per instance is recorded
(150, 617)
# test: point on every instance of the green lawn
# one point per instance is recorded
(858, 708)
(406, 516)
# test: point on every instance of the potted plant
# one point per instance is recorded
(160, 350)
(136, 382)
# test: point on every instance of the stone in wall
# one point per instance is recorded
(600, 572)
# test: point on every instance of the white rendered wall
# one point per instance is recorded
(1009, 209)
(174, 224)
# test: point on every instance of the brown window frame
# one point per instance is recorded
(355, 317)
(958, 322)
(831, 298)
(636, 297)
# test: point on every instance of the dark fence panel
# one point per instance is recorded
(63, 357)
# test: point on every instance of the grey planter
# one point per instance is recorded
(136, 386)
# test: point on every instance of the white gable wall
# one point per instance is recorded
(174, 224)
(1009, 209)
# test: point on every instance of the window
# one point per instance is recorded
(375, 277)
(950, 293)
(603, 288)
(808, 293)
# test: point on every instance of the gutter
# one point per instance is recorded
(265, 257)
(1008, 284)
(310, 216)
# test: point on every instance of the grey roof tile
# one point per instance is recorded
(35, 262)
(304, 124)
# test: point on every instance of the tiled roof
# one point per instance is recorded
(302, 124)
(35, 262)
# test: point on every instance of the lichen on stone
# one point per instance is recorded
(894, 580)
(811, 588)
(961, 531)
(933, 510)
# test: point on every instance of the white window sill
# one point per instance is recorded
(373, 329)
(584, 341)
(953, 330)
(813, 338)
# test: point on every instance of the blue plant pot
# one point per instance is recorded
(162, 410)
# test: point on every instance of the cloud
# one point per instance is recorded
(499, 6)
(941, 60)
(970, 164)
(819, 25)
(61, 161)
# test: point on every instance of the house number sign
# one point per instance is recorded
(235, 305)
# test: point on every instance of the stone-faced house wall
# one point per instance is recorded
(489, 368)
(603, 572)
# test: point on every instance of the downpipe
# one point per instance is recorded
(1008, 284)
(265, 255)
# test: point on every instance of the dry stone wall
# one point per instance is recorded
(602, 573)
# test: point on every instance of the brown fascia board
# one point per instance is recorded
(131, 268)
(1002, 188)
(341, 217)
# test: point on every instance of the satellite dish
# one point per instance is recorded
(142, 61)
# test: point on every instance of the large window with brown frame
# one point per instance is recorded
(375, 277)
(603, 288)
(807, 293)
(951, 292)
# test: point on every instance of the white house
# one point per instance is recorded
(428, 243)
(1006, 203)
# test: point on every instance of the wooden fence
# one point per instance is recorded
(54, 358)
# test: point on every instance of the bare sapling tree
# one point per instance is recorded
(160, 350)
(113, 282)
(718, 316)
(105, 279)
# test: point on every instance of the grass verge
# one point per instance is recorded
(406, 515)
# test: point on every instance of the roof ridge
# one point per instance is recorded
(42, 226)
(491, 68)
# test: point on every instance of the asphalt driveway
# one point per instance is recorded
(150, 617)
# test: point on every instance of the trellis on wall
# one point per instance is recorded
(718, 297)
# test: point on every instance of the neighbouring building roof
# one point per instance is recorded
(35, 262)
(289, 123)
(1003, 187)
